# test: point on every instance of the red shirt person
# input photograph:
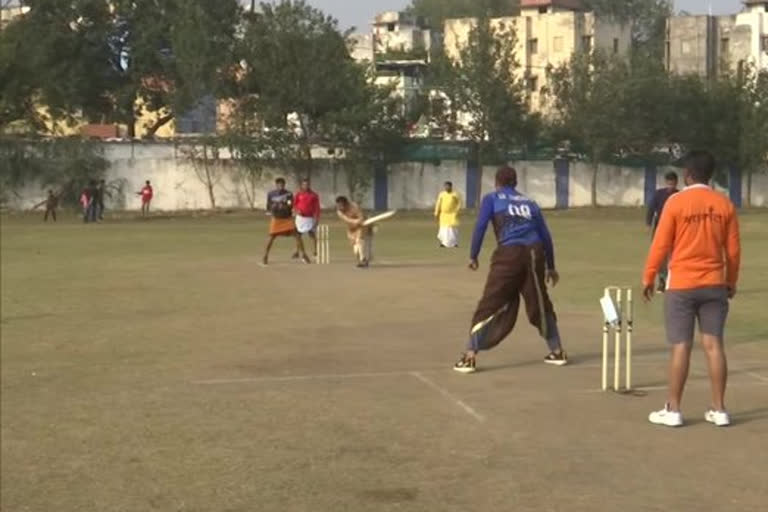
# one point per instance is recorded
(146, 194)
(306, 206)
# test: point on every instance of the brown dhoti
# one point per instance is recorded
(515, 271)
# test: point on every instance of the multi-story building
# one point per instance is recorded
(710, 45)
(398, 51)
(10, 9)
(548, 32)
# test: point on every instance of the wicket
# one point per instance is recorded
(618, 316)
(323, 245)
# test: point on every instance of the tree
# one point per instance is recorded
(106, 61)
(590, 104)
(753, 146)
(204, 154)
(648, 19)
(298, 72)
(485, 88)
(65, 165)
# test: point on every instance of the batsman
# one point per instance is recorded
(522, 264)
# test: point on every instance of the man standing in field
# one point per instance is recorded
(699, 232)
(521, 265)
(280, 206)
(655, 207)
(146, 193)
(447, 210)
(359, 236)
(51, 204)
(307, 208)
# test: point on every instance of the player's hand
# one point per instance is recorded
(552, 277)
(473, 265)
(648, 292)
(731, 292)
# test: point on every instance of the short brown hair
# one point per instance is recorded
(700, 165)
(506, 176)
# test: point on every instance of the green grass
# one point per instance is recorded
(105, 328)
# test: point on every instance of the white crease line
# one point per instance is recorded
(757, 376)
(469, 410)
(290, 378)
(661, 388)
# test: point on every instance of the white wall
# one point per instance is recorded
(415, 185)
(535, 179)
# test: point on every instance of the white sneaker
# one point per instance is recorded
(718, 418)
(666, 417)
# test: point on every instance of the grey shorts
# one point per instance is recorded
(683, 307)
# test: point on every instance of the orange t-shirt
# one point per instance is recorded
(699, 231)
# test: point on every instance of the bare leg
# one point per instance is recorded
(300, 248)
(718, 369)
(313, 237)
(270, 241)
(680, 358)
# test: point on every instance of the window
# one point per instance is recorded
(533, 83)
(557, 44)
(391, 27)
(725, 46)
(533, 46)
(765, 44)
(543, 9)
(615, 45)
(586, 43)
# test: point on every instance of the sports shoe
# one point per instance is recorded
(465, 365)
(718, 418)
(666, 417)
(556, 359)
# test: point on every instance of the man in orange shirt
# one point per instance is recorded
(699, 231)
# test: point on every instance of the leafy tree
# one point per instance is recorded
(484, 88)
(204, 153)
(648, 19)
(297, 72)
(590, 103)
(62, 164)
(753, 144)
(105, 61)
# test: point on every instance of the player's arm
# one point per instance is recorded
(484, 216)
(437, 204)
(660, 248)
(733, 252)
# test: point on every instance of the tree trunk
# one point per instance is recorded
(211, 196)
(152, 130)
(748, 203)
(595, 171)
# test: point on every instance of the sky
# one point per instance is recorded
(359, 13)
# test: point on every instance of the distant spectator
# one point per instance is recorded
(655, 207)
(51, 204)
(101, 189)
(146, 194)
(88, 200)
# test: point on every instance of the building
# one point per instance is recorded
(710, 45)
(398, 50)
(10, 9)
(548, 33)
(401, 36)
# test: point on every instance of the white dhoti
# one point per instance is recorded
(305, 225)
(448, 236)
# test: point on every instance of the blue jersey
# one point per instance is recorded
(517, 220)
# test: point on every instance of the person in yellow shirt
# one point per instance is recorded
(447, 211)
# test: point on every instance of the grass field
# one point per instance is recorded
(156, 366)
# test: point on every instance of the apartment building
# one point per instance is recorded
(548, 33)
(710, 45)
